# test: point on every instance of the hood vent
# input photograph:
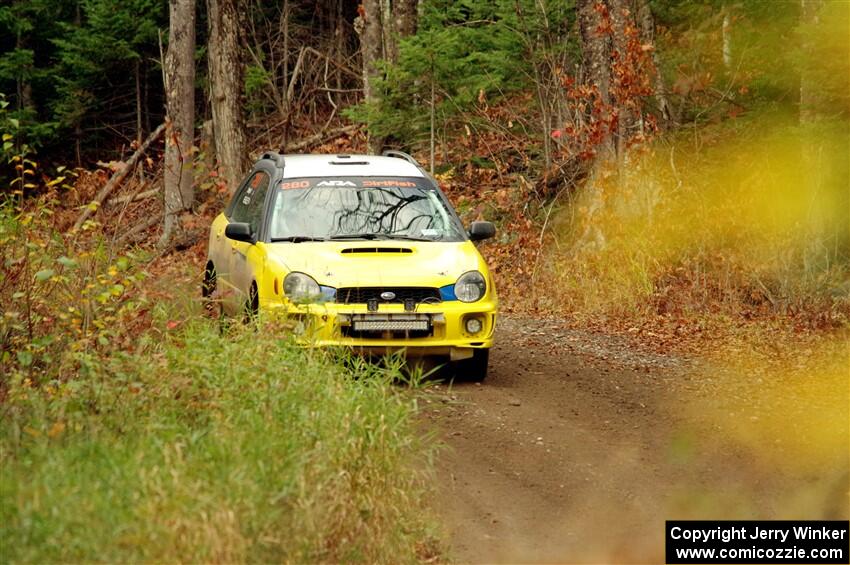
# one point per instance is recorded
(377, 250)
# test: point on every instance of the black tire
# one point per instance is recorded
(473, 369)
(208, 287)
(252, 306)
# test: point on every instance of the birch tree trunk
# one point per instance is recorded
(726, 40)
(226, 79)
(180, 107)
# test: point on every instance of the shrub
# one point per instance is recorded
(210, 447)
(133, 429)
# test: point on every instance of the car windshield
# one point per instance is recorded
(317, 209)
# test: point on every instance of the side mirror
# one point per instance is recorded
(481, 230)
(239, 231)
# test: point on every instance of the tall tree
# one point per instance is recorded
(226, 72)
(810, 19)
(597, 45)
(646, 22)
(401, 22)
(405, 16)
(370, 30)
(180, 103)
(617, 68)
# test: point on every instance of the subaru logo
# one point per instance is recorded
(388, 295)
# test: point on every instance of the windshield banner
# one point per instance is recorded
(354, 182)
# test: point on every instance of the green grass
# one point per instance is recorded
(206, 447)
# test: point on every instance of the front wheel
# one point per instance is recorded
(252, 306)
(473, 369)
(208, 288)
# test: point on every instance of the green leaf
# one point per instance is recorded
(44, 274)
(25, 358)
(67, 262)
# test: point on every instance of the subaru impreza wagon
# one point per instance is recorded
(361, 251)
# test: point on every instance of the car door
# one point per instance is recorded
(221, 248)
(249, 209)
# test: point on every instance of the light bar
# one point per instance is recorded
(390, 325)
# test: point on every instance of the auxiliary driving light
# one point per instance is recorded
(474, 325)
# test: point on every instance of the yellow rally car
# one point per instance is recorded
(363, 251)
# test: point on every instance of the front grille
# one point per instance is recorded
(362, 295)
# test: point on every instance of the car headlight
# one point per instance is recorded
(470, 286)
(299, 287)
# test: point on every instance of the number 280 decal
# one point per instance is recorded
(294, 184)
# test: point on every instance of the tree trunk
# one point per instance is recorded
(607, 31)
(593, 16)
(180, 106)
(401, 22)
(406, 17)
(388, 48)
(809, 16)
(140, 173)
(226, 81)
(24, 85)
(816, 254)
(726, 40)
(369, 28)
(138, 80)
(646, 21)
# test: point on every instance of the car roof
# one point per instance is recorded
(298, 166)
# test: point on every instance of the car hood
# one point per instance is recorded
(379, 263)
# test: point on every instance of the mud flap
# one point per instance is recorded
(461, 353)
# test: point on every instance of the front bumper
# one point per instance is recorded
(332, 324)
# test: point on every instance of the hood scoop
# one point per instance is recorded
(373, 250)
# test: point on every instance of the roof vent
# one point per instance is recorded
(377, 250)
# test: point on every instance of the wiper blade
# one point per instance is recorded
(297, 239)
(378, 236)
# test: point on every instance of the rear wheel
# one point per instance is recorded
(475, 368)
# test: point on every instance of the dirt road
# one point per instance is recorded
(577, 448)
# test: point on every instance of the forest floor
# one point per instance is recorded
(579, 445)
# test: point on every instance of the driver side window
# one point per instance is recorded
(248, 205)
